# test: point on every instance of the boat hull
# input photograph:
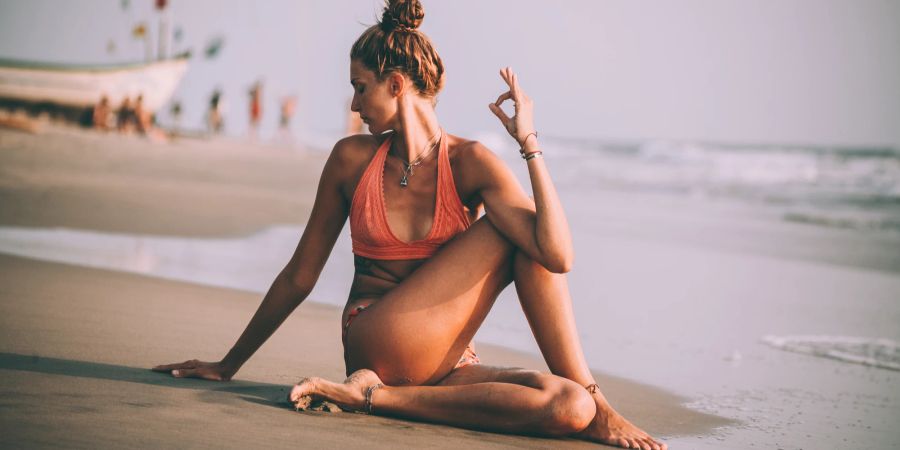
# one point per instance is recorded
(84, 86)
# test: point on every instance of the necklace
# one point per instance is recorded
(410, 165)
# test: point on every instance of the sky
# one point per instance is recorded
(792, 72)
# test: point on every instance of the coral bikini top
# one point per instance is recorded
(369, 230)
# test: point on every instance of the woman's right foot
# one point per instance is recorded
(349, 395)
(609, 427)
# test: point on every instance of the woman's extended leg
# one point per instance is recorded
(487, 398)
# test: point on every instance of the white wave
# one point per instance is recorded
(247, 263)
(876, 352)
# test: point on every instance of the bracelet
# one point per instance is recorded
(522, 145)
(533, 155)
(525, 155)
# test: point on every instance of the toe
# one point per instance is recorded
(296, 393)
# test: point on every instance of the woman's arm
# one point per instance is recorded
(537, 227)
(293, 284)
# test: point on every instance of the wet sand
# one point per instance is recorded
(106, 182)
(78, 343)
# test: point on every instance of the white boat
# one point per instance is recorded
(83, 86)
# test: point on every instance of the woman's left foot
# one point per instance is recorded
(349, 395)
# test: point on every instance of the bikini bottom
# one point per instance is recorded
(468, 357)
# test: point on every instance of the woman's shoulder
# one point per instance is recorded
(470, 154)
(470, 150)
(474, 164)
(351, 153)
(356, 147)
(348, 161)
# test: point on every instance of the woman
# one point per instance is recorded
(427, 269)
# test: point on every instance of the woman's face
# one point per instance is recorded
(372, 99)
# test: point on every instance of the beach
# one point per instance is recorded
(78, 341)
(729, 172)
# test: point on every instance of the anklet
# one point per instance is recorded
(593, 388)
(367, 406)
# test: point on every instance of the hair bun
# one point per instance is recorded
(402, 15)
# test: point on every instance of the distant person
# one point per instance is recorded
(142, 116)
(255, 107)
(428, 266)
(176, 111)
(125, 121)
(214, 120)
(102, 113)
(288, 107)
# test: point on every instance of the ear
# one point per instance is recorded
(396, 83)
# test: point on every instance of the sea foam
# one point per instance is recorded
(877, 352)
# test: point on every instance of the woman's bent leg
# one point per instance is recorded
(545, 299)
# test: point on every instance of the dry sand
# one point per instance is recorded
(77, 343)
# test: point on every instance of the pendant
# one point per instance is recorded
(403, 181)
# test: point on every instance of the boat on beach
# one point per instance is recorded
(41, 86)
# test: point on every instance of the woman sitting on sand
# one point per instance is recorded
(428, 269)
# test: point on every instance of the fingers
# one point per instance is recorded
(503, 97)
(499, 113)
(509, 78)
(517, 94)
(513, 81)
(504, 73)
(196, 373)
(169, 367)
(184, 373)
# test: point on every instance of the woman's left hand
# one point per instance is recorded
(522, 123)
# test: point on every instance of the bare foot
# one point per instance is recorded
(349, 395)
(609, 427)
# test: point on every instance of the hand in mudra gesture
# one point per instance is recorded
(522, 122)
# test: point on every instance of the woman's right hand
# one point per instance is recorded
(214, 371)
(521, 124)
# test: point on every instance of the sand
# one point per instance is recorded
(77, 343)
(85, 180)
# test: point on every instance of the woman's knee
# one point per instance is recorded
(569, 407)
